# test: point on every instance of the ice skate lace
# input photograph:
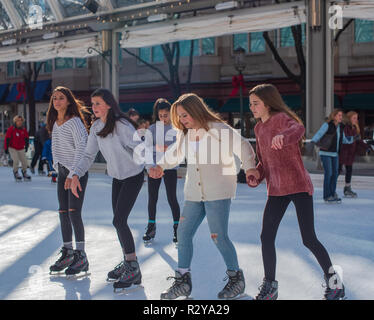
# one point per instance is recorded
(177, 287)
(127, 269)
(118, 267)
(265, 289)
(232, 284)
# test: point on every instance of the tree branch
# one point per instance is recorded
(147, 64)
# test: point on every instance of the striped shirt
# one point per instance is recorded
(68, 143)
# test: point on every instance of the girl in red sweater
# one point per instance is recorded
(279, 133)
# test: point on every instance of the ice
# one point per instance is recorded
(30, 240)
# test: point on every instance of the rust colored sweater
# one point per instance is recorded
(283, 169)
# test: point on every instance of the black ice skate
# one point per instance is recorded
(175, 238)
(337, 199)
(26, 177)
(348, 193)
(130, 278)
(17, 176)
(234, 289)
(80, 264)
(116, 273)
(268, 290)
(181, 287)
(335, 289)
(66, 259)
(150, 233)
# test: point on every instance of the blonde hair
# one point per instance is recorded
(196, 108)
(350, 114)
(333, 114)
(18, 117)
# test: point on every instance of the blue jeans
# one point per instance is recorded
(217, 213)
(331, 167)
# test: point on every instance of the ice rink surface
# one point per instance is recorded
(30, 240)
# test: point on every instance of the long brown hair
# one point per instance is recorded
(333, 114)
(160, 104)
(196, 108)
(114, 112)
(350, 114)
(75, 108)
(272, 99)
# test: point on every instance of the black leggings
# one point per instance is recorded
(348, 172)
(274, 211)
(124, 194)
(70, 207)
(170, 180)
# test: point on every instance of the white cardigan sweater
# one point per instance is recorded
(212, 168)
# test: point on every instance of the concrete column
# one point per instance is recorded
(320, 72)
(115, 64)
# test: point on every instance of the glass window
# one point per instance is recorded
(240, 40)
(257, 42)
(127, 3)
(286, 37)
(185, 47)
(364, 30)
(34, 10)
(145, 54)
(10, 69)
(5, 22)
(157, 54)
(81, 63)
(48, 67)
(63, 63)
(74, 7)
(208, 46)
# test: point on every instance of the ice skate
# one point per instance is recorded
(149, 234)
(181, 287)
(131, 278)
(234, 289)
(115, 274)
(79, 265)
(337, 199)
(335, 289)
(17, 177)
(348, 193)
(26, 177)
(268, 290)
(66, 259)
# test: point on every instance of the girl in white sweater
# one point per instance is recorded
(208, 144)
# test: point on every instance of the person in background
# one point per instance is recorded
(47, 158)
(16, 143)
(41, 137)
(133, 115)
(348, 151)
(329, 152)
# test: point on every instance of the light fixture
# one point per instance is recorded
(91, 5)
(9, 42)
(226, 5)
(157, 17)
(52, 35)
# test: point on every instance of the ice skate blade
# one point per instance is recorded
(242, 296)
(148, 243)
(133, 288)
(56, 273)
(77, 276)
(353, 197)
(181, 298)
(110, 280)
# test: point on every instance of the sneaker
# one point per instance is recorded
(268, 290)
(181, 287)
(234, 287)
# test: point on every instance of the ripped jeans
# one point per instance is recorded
(217, 213)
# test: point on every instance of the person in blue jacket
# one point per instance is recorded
(330, 153)
(48, 159)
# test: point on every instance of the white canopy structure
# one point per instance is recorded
(358, 9)
(76, 46)
(214, 25)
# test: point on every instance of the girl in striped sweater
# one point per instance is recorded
(65, 122)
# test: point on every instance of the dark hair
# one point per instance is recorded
(132, 112)
(114, 113)
(75, 108)
(160, 104)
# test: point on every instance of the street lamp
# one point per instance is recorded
(240, 65)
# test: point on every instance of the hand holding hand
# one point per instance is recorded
(74, 185)
(156, 172)
(252, 177)
(67, 183)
